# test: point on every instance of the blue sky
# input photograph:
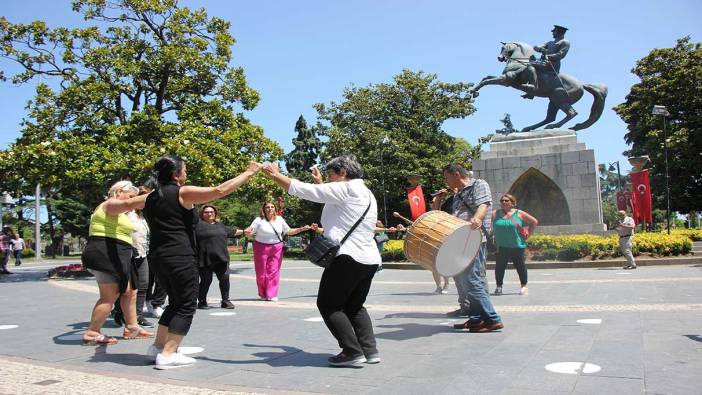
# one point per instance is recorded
(297, 53)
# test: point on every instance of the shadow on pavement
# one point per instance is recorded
(75, 336)
(287, 356)
(415, 315)
(127, 359)
(696, 338)
(24, 275)
(412, 331)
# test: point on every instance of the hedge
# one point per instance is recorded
(573, 247)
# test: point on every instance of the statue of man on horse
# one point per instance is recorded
(542, 78)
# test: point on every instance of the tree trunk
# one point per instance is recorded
(52, 230)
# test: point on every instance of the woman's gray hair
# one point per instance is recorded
(347, 162)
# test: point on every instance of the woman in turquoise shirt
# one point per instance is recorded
(510, 237)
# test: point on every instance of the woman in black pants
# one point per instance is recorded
(213, 256)
(171, 217)
(345, 284)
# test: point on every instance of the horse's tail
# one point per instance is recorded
(599, 92)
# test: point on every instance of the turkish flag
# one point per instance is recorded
(415, 195)
(631, 200)
(621, 201)
(641, 186)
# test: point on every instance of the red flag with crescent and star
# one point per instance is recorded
(631, 201)
(641, 186)
(415, 196)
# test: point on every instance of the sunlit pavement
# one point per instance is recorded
(578, 330)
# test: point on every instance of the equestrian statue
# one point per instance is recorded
(542, 78)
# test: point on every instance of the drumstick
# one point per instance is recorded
(396, 214)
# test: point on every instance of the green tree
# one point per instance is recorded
(402, 121)
(149, 78)
(671, 77)
(298, 161)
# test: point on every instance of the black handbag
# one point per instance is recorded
(282, 239)
(381, 238)
(322, 250)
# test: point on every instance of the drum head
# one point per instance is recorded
(458, 251)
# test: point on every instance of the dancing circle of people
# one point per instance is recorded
(149, 242)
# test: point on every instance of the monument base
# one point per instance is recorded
(553, 176)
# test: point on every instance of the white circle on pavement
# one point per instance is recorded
(72, 337)
(190, 350)
(314, 319)
(8, 326)
(593, 321)
(223, 313)
(547, 274)
(572, 367)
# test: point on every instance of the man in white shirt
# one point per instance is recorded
(625, 228)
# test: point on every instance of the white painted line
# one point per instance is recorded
(572, 367)
(190, 350)
(592, 321)
(623, 274)
(547, 274)
(314, 319)
(223, 314)
(71, 337)
(8, 327)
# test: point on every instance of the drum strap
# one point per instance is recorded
(472, 212)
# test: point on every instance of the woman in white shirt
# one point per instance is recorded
(269, 230)
(345, 284)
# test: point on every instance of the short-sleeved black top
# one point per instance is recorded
(172, 226)
(212, 243)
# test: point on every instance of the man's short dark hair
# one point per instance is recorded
(456, 167)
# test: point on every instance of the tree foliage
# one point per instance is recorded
(149, 78)
(402, 121)
(671, 77)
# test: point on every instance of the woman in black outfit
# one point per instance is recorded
(213, 255)
(171, 217)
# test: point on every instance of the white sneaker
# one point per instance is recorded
(145, 309)
(174, 361)
(158, 312)
(524, 291)
(274, 299)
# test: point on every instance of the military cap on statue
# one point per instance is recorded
(559, 27)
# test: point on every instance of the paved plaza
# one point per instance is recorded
(590, 331)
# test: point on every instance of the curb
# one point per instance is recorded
(618, 263)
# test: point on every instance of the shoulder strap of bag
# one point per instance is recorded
(511, 218)
(359, 220)
(472, 212)
(275, 231)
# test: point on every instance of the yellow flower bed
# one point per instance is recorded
(394, 246)
(693, 234)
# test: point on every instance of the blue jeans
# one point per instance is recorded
(472, 281)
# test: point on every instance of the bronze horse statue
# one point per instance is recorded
(561, 89)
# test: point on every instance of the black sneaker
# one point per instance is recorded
(457, 313)
(342, 359)
(202, 306)
(145, 323)
(227, 304)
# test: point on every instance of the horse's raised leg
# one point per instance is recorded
(489, 80)
(550, 117)
(570, 114)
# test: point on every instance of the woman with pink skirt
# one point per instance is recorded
(269, 230)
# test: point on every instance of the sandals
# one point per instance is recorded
(136, 333)
(99, 340)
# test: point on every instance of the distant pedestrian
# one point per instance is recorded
(270, 231)
(213, 256)
(6, 236)
(17, 249)
(625, 228)
(511, 239)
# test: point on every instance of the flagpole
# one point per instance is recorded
(382, 179)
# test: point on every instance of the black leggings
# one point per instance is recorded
(221, 270)
(178, 276)
(506, 254)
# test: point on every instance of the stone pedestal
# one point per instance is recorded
(553, 176)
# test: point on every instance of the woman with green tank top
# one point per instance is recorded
(510, 238)
(108, 257)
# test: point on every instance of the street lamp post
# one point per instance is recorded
(619, 175)
(384, 141)
(663, 112)
(5, 200)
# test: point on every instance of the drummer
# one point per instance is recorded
(471, 202)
